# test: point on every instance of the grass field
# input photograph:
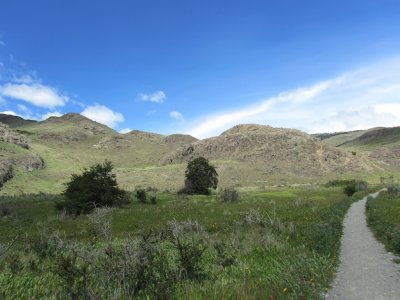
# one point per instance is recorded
(272, 244)
(384, 219)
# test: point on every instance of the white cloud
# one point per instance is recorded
(35, 94)
(363, 118)
(51, 114)
(103, 114)
(9, 112)
(23, 108)
(391, 108)
(125, 130)
(157, 97)
(176, 115)
(257, 112)
(364, 98)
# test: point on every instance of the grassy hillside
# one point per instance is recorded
(341, 138)
(246, 155)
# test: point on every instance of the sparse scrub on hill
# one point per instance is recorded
(95, 187)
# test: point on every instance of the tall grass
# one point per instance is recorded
(280, 243)
(383, 216)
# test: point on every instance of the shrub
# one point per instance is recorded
(141, 195)
(230, 195)
(153, 199)
(350, 189)
(95, 187)
(5, 209)
(200, 177)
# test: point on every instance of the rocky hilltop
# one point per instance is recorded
(275, 149)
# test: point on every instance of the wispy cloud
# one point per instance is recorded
(156, 97)
(35, 94)
(51, 114)
(2, 43)
(9, 112)
(176, 115)
(103, 114)
(26, 78)
(125, 130)
(257, 112)
(358, 99)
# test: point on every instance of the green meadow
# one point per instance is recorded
(275, 243)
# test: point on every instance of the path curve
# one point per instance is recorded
(366, 270)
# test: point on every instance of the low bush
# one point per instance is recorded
(141, 195)
(95, 187)
(230, 195)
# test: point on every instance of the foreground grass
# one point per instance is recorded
(383, 216)
(280, 243)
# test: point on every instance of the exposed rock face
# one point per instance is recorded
(32, 162)
(274, 149)
(10, 136)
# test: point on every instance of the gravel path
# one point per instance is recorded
(366, 270)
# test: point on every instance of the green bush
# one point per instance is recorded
(95, 187)
(350, 189)
(141, 195)
(200, 177)
(230, 195)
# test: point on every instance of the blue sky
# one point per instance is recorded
(200, 67)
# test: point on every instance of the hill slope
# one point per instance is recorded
(244, 155)
(283, 151)
(15, 155)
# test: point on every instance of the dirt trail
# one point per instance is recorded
(366, 270)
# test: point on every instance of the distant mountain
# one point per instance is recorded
(379, 145)
(376, 137)
(14, 121)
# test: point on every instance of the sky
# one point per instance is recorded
(201, 67)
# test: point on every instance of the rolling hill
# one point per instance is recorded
(246, 155)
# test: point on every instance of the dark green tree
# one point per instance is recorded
(200, 177)
(95, 187)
